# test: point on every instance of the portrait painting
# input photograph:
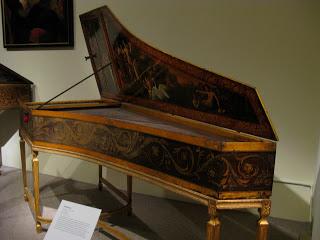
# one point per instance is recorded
(37, 23)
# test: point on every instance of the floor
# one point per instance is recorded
(153, 218)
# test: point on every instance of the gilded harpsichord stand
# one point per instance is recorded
(162, 120)
(214, 205)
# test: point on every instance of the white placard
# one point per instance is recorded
(73, 222)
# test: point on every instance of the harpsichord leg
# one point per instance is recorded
(263, 225)
(100, 186)
(35, 170)
(23, 167)
(213, 225)
(129, 194)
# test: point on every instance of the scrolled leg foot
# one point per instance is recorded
(38, 227)
(263, 227)
(25, 197)
(213, 229)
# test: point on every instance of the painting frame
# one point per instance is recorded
(44, 24)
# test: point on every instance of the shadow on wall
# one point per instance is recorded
(9, 124)
(291, 200)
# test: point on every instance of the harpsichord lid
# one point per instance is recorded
(7, 76)
(145, 76)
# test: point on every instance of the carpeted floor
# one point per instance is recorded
(153, 218)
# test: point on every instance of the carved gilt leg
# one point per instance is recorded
(213, 225)
(23, 167)
(129, 194)
(263, 225)
(35, 170)
(100, 186)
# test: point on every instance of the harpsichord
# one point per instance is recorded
(163, 120)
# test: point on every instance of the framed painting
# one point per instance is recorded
(37, 23)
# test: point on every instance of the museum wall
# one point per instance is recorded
(272, 45)
(316, 201)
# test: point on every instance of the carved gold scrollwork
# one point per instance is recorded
(79, 130)
(155, 153)
(180, 158)
(125, 141)
(184, 161)
(230, 169)
(248, 166)
(243, 172)
(225, 171)
(41, 128)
